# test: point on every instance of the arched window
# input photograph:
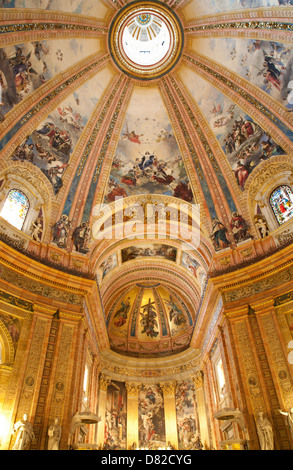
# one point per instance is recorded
(281, 201)
(15, 208)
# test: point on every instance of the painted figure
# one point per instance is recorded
(218, 236)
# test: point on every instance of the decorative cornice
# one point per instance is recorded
(253, 25)
(16, 301)
(168, 388)
(12, 28)
(259, 286)
(198, 379)
(104, 382)
(132, 389)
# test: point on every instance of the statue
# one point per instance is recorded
(37, 229)
(54, 433)
(25, 433)
(261, 225)
(265, 432)
(289, 415)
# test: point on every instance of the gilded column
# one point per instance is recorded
(132, 415)
(198, 381)
(103, 385)
(169, 389)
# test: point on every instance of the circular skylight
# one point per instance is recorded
(145, 39)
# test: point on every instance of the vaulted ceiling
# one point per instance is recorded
(183, 146)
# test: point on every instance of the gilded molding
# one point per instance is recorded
(39, 285)
(169, 388)
(265, 172)
(132, 389)
(198, 379)
(253, 25)
(187, 367)
(12, 28)
(272, 282)
(109, 132)
(16, 301)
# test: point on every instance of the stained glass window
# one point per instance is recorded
(15, 208)
(281, 201)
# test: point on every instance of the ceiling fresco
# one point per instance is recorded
(77, 131)
(147, 159)
(148, 320)
(266, 64)
(25, 67)
(244, 142)
(195, 8)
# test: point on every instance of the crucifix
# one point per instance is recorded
(149, 307)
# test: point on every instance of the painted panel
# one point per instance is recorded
(196, 9)
(149, 250)
(243, 141)
(116, 416)
(266, 64)
(147, 158)
(84, 7)
(25, 67)
(151, 418)
(185, 408)
(52, 143)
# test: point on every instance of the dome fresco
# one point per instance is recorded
(113, 111)
(149, 320)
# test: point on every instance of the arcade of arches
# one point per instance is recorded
(146, 223)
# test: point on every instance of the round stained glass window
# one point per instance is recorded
(146, 40)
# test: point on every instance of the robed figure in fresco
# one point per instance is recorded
(121, 314)
(219, 235)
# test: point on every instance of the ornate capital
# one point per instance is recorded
(198, 379)
(104, 382)
(168, 388)
(132, 389)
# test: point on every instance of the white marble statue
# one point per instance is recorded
(289, 415)
(265, 432)
(54, 433)
(25, 433)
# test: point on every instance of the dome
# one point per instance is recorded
(150, 320)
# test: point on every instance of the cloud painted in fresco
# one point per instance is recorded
(266, 64)
(243, 141)
(52, 143)
(148, 158)
(42, 61)
(197, 8)
(84, 7)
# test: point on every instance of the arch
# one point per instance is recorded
(6, 346)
